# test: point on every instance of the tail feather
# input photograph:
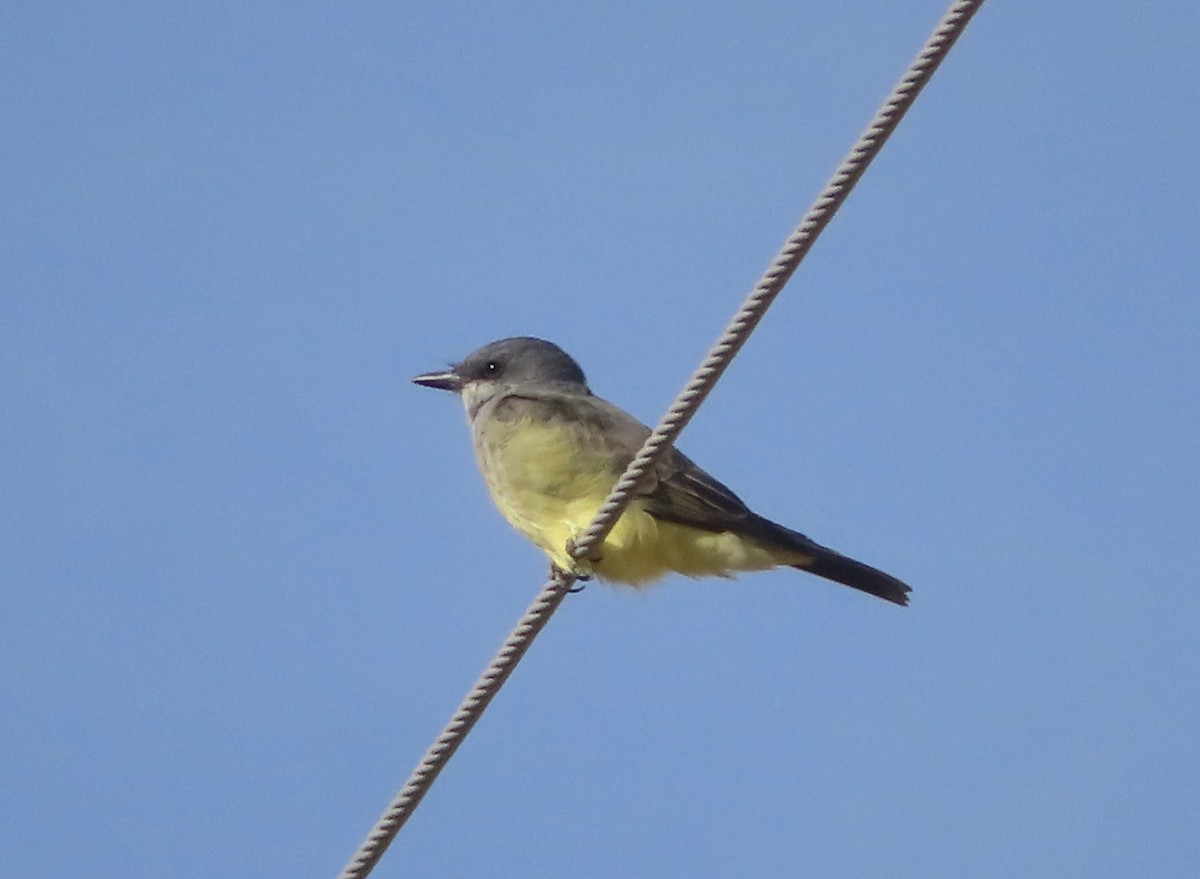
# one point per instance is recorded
(804, 554)
(842, 569)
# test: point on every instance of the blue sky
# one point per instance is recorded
(247, 570)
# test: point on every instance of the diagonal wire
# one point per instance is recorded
(471, 709)
(781, 269)
(678, 415)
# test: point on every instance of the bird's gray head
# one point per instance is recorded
(520, 361)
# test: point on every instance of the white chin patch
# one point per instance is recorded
(475, 394)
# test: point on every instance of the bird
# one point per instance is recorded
(550, 451)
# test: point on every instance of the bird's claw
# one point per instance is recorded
(563, 576)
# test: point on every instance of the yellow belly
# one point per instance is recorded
(549, 486)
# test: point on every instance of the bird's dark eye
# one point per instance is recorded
(492, 367)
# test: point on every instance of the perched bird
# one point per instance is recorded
(550, 451)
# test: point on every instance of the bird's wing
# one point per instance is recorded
(686, 494)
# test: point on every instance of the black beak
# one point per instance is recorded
(443, 381)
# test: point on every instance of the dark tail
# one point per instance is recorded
(810, 556)
(841, 569)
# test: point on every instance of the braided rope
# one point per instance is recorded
(781, 269)
(426, 772)
(678, 415)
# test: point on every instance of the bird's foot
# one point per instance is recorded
(579, 581)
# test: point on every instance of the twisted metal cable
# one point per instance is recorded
(471, 709)
(794, 249)
(678, 415)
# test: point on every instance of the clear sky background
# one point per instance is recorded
(247, 570)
